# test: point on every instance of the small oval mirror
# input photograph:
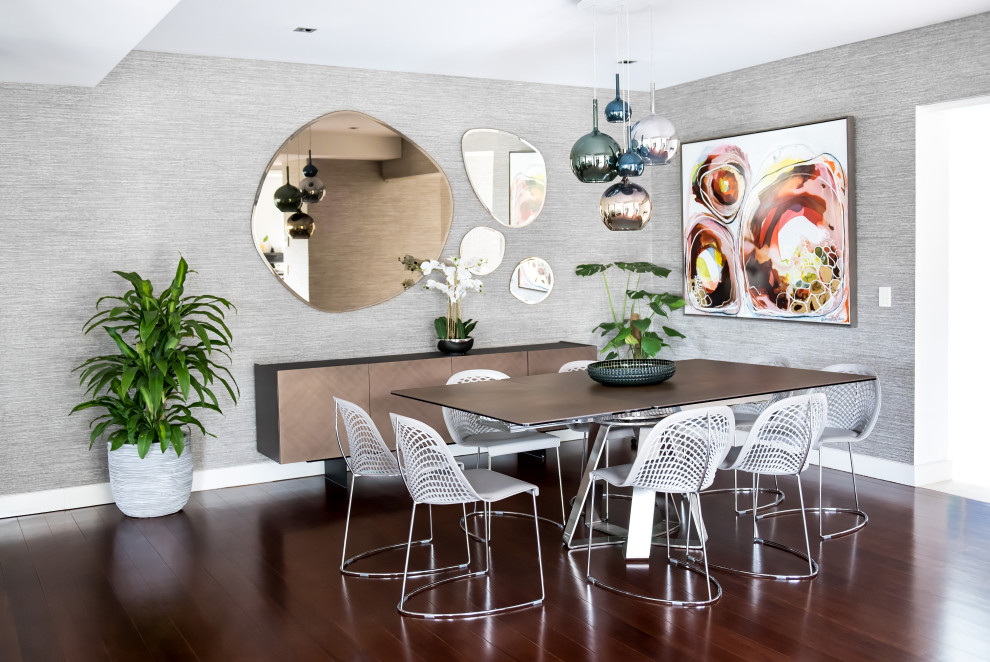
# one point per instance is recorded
(347, 209)
(508, 175)
(532, 280)
(487, 244)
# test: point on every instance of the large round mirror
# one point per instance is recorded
(347, 209)
(532, 280)
(508, 175)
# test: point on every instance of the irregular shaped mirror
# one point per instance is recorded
(508, 175)
(532, 280)
(385, 206)
(485, 243)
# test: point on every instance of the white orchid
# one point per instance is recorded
(457, 272)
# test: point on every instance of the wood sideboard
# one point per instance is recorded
(294, 401)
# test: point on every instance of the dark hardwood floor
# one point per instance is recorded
(251, 573)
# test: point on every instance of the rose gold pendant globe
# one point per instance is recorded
(625, 206)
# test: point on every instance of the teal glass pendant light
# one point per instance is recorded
(287, 197)
(617, 111)
(625, 206)
(595, 155)
(311, 188)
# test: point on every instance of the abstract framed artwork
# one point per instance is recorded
(766, 224)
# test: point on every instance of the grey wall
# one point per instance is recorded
(164, 157)
(878, 83)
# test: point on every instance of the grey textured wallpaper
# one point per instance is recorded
(164, 156)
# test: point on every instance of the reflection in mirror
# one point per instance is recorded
(487, 244)
(532, 280)
(387, 206)
(508, 175)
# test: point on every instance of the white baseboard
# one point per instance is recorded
(875, 467)
(66, 498)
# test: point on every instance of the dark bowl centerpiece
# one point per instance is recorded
(631, 372)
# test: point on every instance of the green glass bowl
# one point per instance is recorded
(631, 372)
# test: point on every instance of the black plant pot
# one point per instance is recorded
(455, 345)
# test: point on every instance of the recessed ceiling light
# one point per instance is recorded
(305, 30)
(353, 128)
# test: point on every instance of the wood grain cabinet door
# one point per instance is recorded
(546, 361)
(394, 375)
(513, 364)
(306, 412)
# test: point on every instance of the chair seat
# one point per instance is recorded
(616, 475)
(493, 486)
(509, 443)
(730, 457)
(837, 436)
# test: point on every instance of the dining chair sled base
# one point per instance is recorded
(821, 510)
(345, 564)
(433, 477)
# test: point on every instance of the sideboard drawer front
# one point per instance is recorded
(388, 377)
(306, 412)
(546, 361)
(514, 364)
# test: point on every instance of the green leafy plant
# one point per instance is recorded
(460, 329)
(164, 369)
(632, 324)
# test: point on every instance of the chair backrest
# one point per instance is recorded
(369, 456)
(575, 366)
(429, 470)
(756, 408)
(682, 452)
(783, 435)
(853, 406)
(462, 424)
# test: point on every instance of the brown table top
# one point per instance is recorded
(551, 398)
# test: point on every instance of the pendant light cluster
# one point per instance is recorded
(596, 157)
(289, 199)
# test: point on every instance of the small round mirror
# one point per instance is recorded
(485, 243)
(532, 280)
(508, 175)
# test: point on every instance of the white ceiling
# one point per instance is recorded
(546, 41)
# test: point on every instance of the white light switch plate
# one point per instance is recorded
(885, 297)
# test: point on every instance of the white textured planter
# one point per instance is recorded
(158, 485)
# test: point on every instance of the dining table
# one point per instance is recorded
(570, 398)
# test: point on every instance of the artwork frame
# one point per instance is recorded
(525, 202)
(767, 222)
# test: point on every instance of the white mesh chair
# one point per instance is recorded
(680, 456)
(852, 414)
(433, 477)
(745, 415)
(369, 457)
(487, 435)
(779, 445)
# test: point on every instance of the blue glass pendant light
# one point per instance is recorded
(311, 187)
(630, 164)
(617, 110)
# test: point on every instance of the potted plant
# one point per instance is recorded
(454, 333)
(632, 324)
(151, 389)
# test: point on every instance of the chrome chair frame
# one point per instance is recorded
(779, 444)
(374, 459)
(663, 464)
(452, 487)
(844, 420)
(481, 424)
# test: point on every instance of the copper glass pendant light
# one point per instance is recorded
(594, 155)
(654, 137)
(300, 225)
(626, 206)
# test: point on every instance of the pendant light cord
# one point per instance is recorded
(653, 57)
(627, 115)
(594, 50)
